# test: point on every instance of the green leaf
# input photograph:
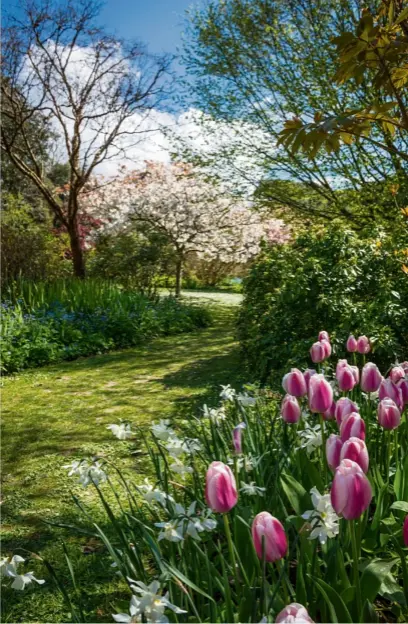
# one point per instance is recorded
(400, 506)
(337, 608)
(296, 494)
(369, 613)
(373, 576)
(401, 481)
(185, 580)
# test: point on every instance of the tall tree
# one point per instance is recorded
(255, 63)
(93, 89)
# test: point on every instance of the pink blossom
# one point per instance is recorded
(389, 416)
(290, 409)
(397, 373)
(344, 406)
(351, 490)
(294, 383)
(351, 344)
(333, 450)
(323, 335)
(356, 450)
(320, 394)
(352, 426)
(268, 529)
(294, 613)
(370, 378)
(363, 345)
(318, 352)
(389, 390)
(220, 489)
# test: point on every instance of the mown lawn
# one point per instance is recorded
(56, 414)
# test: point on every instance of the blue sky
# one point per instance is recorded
(157, 23)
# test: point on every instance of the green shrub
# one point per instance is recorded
(329, 280)
(43, 323)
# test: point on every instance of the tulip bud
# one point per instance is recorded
(405, 531)
(323, 335)
(294, 613)
(352, 426)
(403, 388)
(356, 450)
(346, 379)
(307, 375)
(404, 365)
(237, 437)
(290, 409)
(327, 348)
(318, 352)
(363, 345)
(340, 365)
(344, 406)
(220, 489)
(320, 394)
(356, 373)
(268, 529)
(389, 390)
(294, 383)
(396, 374)
(389, 416)
(351, 344)
(329, 414)
(370, 377)
(333, 450)
(351, 490)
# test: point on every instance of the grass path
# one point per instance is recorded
(59, 413)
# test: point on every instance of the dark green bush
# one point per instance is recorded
(45, 323)
(330, 280)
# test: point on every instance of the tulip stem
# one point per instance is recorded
(355, 566)
(231, 549)
(325, 469)
(387, 465)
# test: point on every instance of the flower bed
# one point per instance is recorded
(268, 510)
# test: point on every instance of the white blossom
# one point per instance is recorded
(181, 468)
(163, 431)
(122, 431)
(8, 568)
(246, 400)
(186, 523)
(149, 604)
(252, 489)
(312, 438)
(170, 531)
(87, 473)
(216, 415)
(152, 494)
(227, 393)
(323, 518)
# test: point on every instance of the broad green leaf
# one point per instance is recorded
(338, 610)
(373, 576)
(400, 506)
(184, 579)
(368, 614)
(296, 494)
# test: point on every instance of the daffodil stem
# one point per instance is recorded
(231, 550)
(355, 565)
(324, 461)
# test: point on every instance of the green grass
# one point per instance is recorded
(59, 413)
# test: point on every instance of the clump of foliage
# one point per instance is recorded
(63, 320)
(28, 247)
(330, 279)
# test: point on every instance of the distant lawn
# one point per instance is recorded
(59, 413)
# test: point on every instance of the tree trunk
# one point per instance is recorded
(77, 252)
(179, 276)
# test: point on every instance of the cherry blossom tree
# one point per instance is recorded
(195, 216)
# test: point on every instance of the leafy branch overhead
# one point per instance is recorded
(375, 54)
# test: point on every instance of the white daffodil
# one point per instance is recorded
(181, 468)
(152, 494)
(246, 400)
(192, 525)
(8, 567)
(312, 438)
(247, 462)
(163, 431)
(227, 393)
(170, 531)
(122, 431)
(192, 445)
(216, 415)
(87, 473)
(252, 489)
(148, 604)
(323, 518)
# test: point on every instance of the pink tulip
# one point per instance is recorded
(294, 383)
(237, 437)
(363, 345)
(340, 365)
(356, 373)
(346, 379)
(370, 377)
(351, 490)
(404, 365)
(389, 390)
(389, 416)
(329, 414)
(352, 426)
(327, 348)
(307, 375)
(220, 489)
(294, 613)
(403, 388)
(396, 374)
(275, 542)
(290, 409)
(320, 394)
(344, 406)
(351, 344)
(333, 450)
(405, 531)
(356, 450)
(323, 335)
(318, 352)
